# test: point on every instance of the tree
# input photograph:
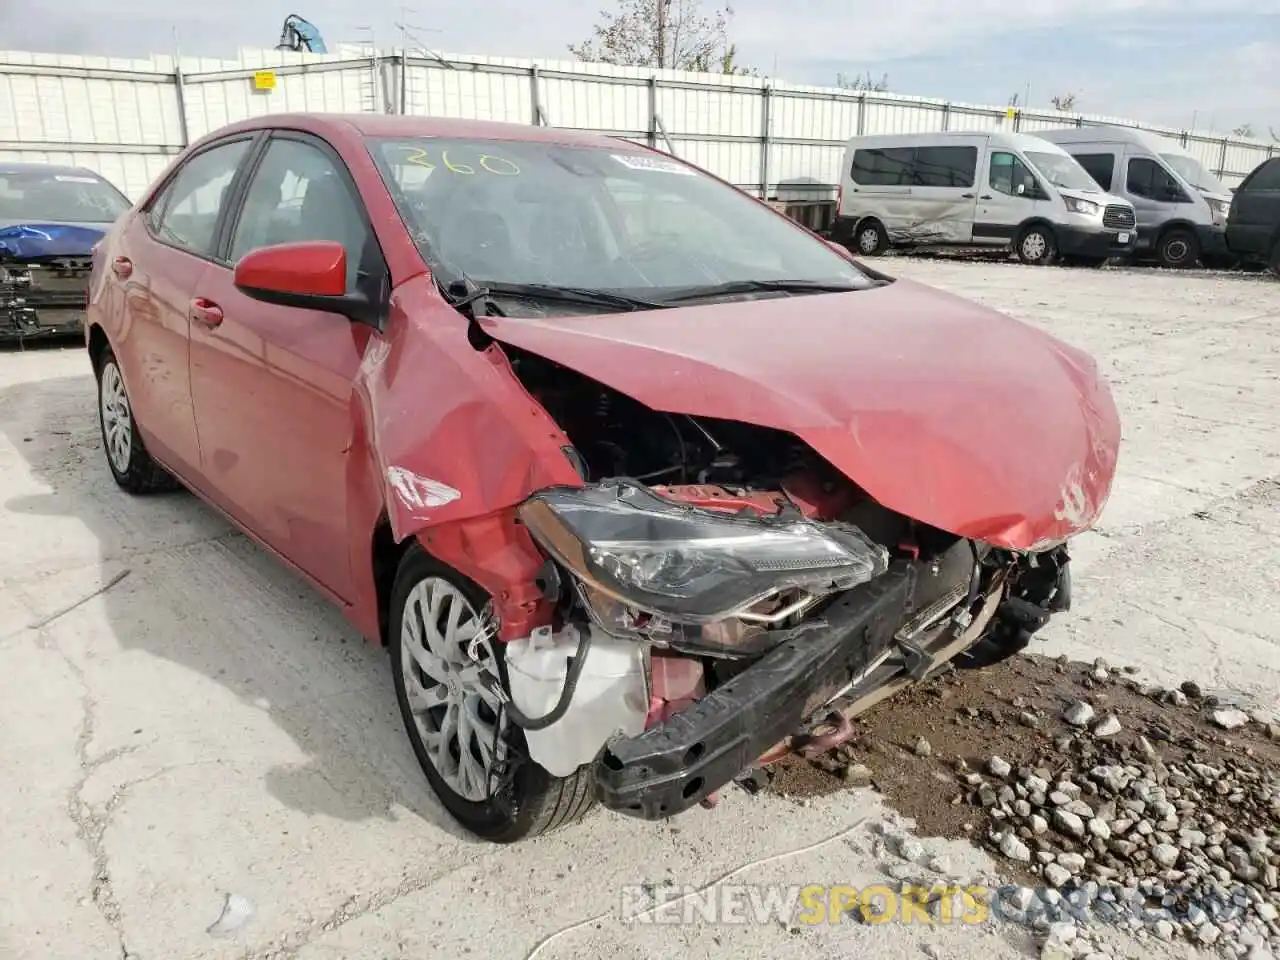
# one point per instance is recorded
(863, 82)
(671, 34)
(1064, 102)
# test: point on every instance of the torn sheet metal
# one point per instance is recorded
(941, 409)
(456, 435)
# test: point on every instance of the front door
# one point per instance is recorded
(1010, 194)
(272, 384)
(1156, 195)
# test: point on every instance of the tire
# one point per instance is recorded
(1178, 249)
(528, 801)
(131, 465)
(870, 239)
(1036, 246)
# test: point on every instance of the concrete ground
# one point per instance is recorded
(208, 727)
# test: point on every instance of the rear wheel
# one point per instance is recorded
(1178, 249)
(1036, 245)
(871, 238)
(473, 757)
(131, 465)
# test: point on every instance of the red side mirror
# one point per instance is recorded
(313, 268)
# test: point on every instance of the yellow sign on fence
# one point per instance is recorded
(264, 80)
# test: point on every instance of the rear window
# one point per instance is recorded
(1100, 166)
(58, 197)
(1266, 177)
(883, 168)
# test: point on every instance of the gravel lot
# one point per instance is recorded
(208, 728)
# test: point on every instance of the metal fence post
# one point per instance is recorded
(652, 133)
(1222, 157)
(946, 115)
(404, 81)
(539, 115)
(180, 89)
(862, 111)
(766, 100)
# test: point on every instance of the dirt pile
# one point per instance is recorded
(1110, 802)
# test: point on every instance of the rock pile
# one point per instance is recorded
(1172, 850)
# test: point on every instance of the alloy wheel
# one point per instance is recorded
(443, 651)
(117, 418)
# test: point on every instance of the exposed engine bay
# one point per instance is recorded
(725, 574)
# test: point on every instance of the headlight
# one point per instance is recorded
(690, 565)
(1219, 209)
(1087, 207)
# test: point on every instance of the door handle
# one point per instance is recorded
(966, 196)
(122, 267)
(206, 312)
(985, 196)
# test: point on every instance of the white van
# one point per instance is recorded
(978, 189)
(1182, 207)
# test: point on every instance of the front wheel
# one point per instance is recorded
(1036, 246)
(474, 758)
(1178, 249)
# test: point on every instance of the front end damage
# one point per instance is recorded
(44, 275)
(716, 595)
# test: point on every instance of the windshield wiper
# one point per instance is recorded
(756, 286)
(583, 295)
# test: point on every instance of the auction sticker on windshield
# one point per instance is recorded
(656, 164)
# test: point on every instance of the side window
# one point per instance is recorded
(1008, 173)
(298, 193)
(1148, 179)
(1266, 177)
(1100, 166)
(186, 212)
(945, 166)
(883, 168)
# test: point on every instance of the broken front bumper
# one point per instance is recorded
(851, 654)
(42, 298)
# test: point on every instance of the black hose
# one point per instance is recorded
(566, 694)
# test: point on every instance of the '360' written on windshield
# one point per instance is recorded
(525, 212)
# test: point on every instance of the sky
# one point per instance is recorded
(1212, 62)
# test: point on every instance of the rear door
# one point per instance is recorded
(157, 262)
(881, 187)
(943, 191)
(1010, 195)
(272, 384)
(1253, 229)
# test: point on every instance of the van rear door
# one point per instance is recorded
(944, 190)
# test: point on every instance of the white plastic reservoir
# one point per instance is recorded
(611, 699)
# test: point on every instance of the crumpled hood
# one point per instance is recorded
(941, 409)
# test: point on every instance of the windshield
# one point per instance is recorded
(1063, 171)
(605, 219)
(58, 197)
(1193, 171)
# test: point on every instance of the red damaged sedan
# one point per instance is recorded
(642, 484)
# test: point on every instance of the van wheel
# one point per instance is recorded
(1036, 246)
(1178, 249)
(871, 238)
(474, 759)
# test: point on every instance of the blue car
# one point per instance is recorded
(50, 218)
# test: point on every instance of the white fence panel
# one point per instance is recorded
(126, 118)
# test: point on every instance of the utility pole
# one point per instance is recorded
(662, 32)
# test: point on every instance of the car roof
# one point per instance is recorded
(54, 169)
(385, 125)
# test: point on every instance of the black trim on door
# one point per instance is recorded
(373, 274)
(999, 231)
(254, 137)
